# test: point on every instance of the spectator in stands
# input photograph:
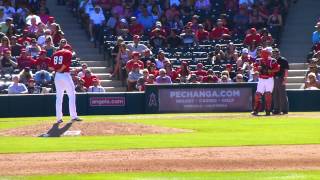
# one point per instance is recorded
(171, 72)
(43, 78)
(219, 32)
(313, 68)
(145, 79)
(157, 41)
(224, 79)
(275, 24)
(122, 28)
(239, 78)
(211, 77)
(33, 88)
(229, 68)
(193, 79)
(256, 19)
(135, 27)
(147, 57)
(49, 47)
(253, 49)
(201, 34)
(172, 12)
(56, 33)
(229, 52)
(133, 76)
(79, 87)
(188, 37)
(184, 72)
(244, 58)
(24, 60)
(7, 63)
(204, 5)
(24, 40)
(5, 44)
(121, 61)
(311, 83)
(42, 39)
(15, 47)
(7, 27)
(200, 72)
(316, 34)
(251, 36)
(153, 70)
(158, 26)
(2, 16)
(255, 76)
(88, 79)
(25, 75)
(135, 59)
(33, 26)
(33, 49)
(163, 78)
(266, 38)
(136, 45)
(226, 73)
(83, 70)
(241, 21)
(42, 62)
(174, 40)
(16, 87)
(176, 23)
(161, 60)
(96, 86)
(145, 18)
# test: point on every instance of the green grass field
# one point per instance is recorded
(208, 130)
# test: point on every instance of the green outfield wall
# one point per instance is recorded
(156, 99)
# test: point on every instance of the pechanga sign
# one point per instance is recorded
(107, 101)
(205, 99)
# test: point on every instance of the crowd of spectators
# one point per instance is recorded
(183, 41)
(29, 36)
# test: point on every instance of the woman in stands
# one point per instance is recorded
(57, 33)
(171, 72)
(312, 83)
(122, 58)
(184, 72)
(5, 44)
(49, 47)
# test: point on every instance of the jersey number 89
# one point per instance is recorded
(57, 60)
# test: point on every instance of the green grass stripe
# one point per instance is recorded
(209, 130)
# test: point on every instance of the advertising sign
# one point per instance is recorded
(205, 99)
(107, 101)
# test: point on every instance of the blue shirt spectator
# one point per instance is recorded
(42, 77)
(146, 19)
(16, 87)
(316, 34)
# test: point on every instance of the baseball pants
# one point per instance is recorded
(280, 99)
(265, 85)
(63, 82)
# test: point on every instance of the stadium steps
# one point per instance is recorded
(78, 38)
(296, 37)
(296, 75)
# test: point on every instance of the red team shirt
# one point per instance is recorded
(270, 63)
(60, 58)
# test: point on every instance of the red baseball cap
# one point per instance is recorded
(68, 47)
(253, 30)
(200, 65)
(51, 19)
(135, 53)
(136, 37)
(228, 66)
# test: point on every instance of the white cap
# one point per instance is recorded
(269, 49)
(245, 51)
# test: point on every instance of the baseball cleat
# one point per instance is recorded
(267, 113)
(254, 113)
(59, 121)
(76, 119)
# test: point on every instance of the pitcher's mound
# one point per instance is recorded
(95, 129)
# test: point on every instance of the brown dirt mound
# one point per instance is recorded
(257, 158)
(94, 129)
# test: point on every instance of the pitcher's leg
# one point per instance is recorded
(70, 88)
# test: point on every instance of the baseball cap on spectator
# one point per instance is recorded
(276, 50)
(195, 17)
(229, 66)
(9, 19)
(184, 63)
(51, 20)
(123, 20)
(245, 51)
(158, 24)
(199, 65)
(253, 30)
(136, 37)
(160, 51)
(68, 47)
(200, 26)
(136, 65)
(135, 53)
(42, 52)
(31, 80)
(133, 18)
(269, 49)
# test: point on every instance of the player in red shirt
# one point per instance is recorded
(267, 67)
(60, 63)
(25, 61)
